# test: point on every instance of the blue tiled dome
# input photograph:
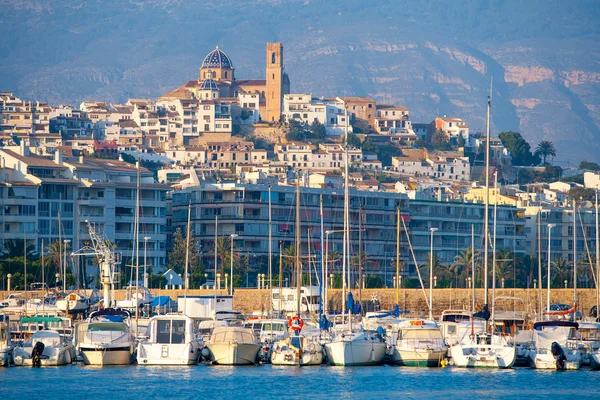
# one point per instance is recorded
(208, 84)
(217, 59)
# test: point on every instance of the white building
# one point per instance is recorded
(306, 109)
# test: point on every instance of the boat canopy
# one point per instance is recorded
(40, 320)
(538, 326)
(232, 335)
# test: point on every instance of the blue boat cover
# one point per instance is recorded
(161, 301)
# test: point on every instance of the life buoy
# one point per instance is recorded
(295, 323)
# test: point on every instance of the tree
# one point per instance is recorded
(545, 149)
(561, 269)
(224, 252)
(353, 140)
(55, 251)
(578, 193)
(592, 166)
(519, 149)
(318, 130)
(176, 257)
(16, 248)
(295, 131)
(462, 264)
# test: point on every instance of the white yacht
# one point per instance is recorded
(105, 338)
(418, 343)
(74, 302)
(233, 346)
(483, 350)
(554, 346)
(588, 336)
(595, 359)
(356, 348)
(171, 340)
(45, 348)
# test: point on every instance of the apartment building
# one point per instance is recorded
(306, 109)
(44, 198)
(243, 210)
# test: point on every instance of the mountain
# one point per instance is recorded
(434, 57)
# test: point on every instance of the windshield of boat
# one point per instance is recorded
(225, 335)
(421, 334)
(108, 326)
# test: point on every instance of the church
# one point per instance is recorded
(217, 82)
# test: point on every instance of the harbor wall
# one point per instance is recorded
(251, 300)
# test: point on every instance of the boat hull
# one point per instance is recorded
(106, 356)
(355, 352)
(51, 357)
(548, 361)
(418, 357)
(234, 353)
(595, 360)
(168, 354)
(298, 358)
(483, 356)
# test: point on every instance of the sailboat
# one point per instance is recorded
(485, 349)
(296, 348)
(352, 347)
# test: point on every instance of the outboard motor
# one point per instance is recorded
(559, 354)
(36, 354)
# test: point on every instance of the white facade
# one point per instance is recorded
(306, 109)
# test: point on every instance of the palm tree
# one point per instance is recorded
(16, 248)
(545, 149)
(436, 263)
(561, 269)
(224, 252)
(462, 264)
(55, 251)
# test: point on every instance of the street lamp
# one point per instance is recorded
(469, 282)
(435, 281)
(550, 226)
(146, 238)
(232, 236)
(66, 242)
(226, 280)
(502, 283)
(218, 283)
(432, 230)
(535, 283)
(566, 284)
(331, 276)
(10, 276)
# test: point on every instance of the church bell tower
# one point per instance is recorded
(274, 82)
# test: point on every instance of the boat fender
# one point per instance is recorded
(443, 363)
(36, 354)
(559, 355)
(205, 352)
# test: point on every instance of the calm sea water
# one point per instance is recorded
(266, 381)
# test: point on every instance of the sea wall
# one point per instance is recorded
(251, 300)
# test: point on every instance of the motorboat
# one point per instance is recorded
(74, 302)
(171, 340)
(267, 331)
(135, 298)
(297, 348)
(45, 348)
(6, 346)
(233, 345)
(418, 343)
(483, 350)
(555, 346)
(105, 338)
(588, 340)
(356, 347)
(595, 360)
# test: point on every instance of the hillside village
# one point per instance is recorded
(218, 136)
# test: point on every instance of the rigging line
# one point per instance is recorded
(415, 261)
(587, 249)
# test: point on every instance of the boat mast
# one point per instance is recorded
(472, 268)
(539, 234)
(137, 246)
(398, 258)
(323, 282)
(270, 262)
(574, 255)
(298, 263)
(494, 246)
(597, 261)
(216, 259)
(486, 216)
(187, 256)
(346, 196)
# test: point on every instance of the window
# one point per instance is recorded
(273, 76)
(273, 58)
(207, 107)
(226, 74)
